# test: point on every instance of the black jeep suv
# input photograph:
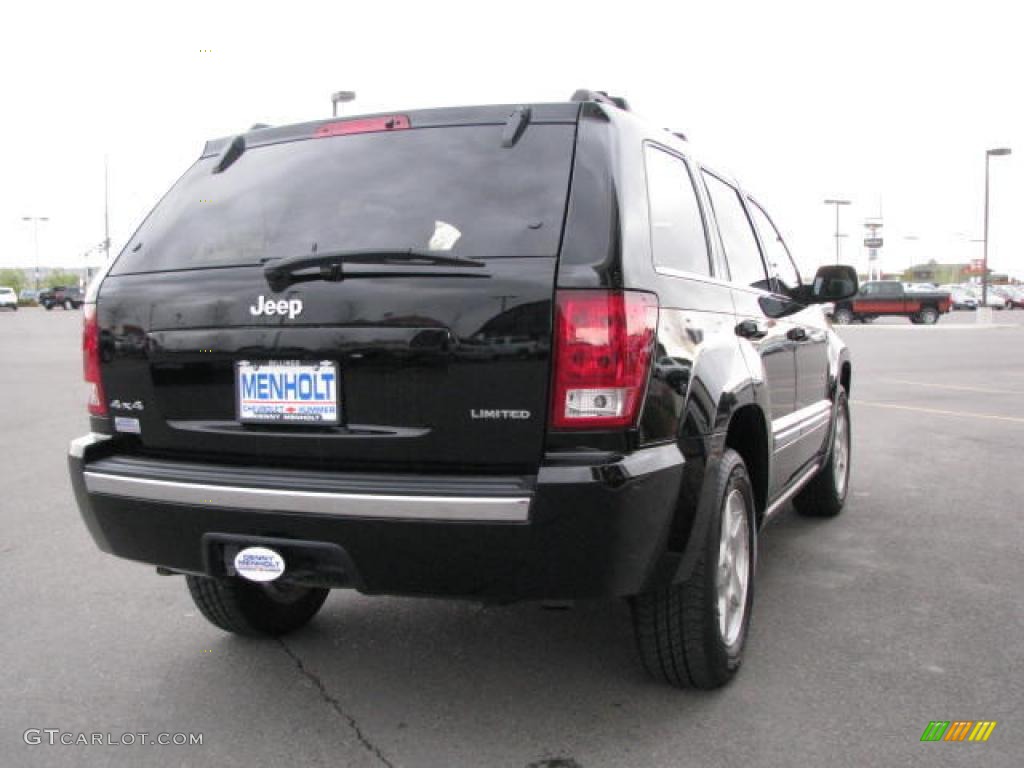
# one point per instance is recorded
(494, 353)
(61, 296)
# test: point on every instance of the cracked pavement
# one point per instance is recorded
(335, 705)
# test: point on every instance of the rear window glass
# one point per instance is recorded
(677, 227)
(452, 189)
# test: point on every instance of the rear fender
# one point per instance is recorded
(723, 382)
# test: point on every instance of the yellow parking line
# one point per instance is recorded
(964, 414)
(958, 387)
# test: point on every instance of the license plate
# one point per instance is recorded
(287, 392)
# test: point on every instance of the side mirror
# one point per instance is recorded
(832, 284)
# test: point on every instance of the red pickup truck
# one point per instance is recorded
(889, 297)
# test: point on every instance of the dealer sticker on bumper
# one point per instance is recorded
(287, 392)
(259, 564)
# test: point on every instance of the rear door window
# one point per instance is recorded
(454, 189)
(678, 238)
(741, 250)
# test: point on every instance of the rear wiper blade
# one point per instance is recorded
(282, 273)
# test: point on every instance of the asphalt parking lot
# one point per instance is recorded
(907, 608)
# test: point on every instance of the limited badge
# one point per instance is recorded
(259, 564)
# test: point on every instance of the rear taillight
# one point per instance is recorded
(91, 360)
(602, 355)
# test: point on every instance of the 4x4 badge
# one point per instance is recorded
(265, 306)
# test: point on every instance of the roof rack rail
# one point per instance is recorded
(601, 97)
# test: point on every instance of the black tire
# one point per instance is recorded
(842, 316)
(825, 495)
(678, 631)
(248, 608)
(48, 306)
(928, 316)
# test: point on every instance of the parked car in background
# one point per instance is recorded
(1014, 297)
(61, 296)
(961, 297)
(993, 300)
(8, 298)
(890, 297)
(1006, 292)
(28, 295)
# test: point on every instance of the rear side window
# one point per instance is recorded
(453, 189)
(741, 249)
(677, 228)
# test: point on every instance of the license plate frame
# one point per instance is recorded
(268, 401)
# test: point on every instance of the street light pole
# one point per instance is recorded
(341, 97)
(1000, 152)
(837, 203)
(35, 235)
(911, 238)
(106, 212)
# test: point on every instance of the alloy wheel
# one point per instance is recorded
(733, 575)
(841, 453)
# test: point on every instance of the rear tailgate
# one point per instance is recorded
(439, 365)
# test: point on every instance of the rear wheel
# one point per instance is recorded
(842, 316)
(68, 304)
(825, 495)
(928, 316)
(691, 635)
(248, 608)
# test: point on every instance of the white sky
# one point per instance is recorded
(890, 103)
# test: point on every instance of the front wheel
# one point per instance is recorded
(842, 316)
(248, 608)
(691, 634)
(825, 495)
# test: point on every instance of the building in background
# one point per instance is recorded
(951, 274)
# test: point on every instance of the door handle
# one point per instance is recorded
(796, 334)
(750, 329)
